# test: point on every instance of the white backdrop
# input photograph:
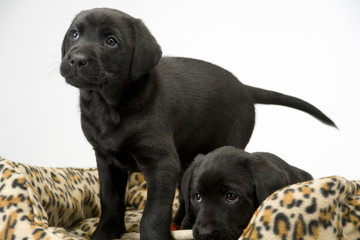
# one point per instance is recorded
(309, 49)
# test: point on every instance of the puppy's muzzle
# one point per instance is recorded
(204, 233)
(81, 69)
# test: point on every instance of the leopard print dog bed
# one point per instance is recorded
(327, 208)
(47, 203)
(63, 203)
(58, 203)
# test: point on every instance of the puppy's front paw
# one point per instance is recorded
(108, 231)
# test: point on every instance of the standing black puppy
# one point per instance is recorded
(223, 189)
(143, 112)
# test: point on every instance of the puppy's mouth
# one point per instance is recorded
(91, 82)
(84, 78)
(223, 234)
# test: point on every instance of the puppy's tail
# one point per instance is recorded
(263, 96)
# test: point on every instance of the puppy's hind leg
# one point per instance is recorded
(113, 182)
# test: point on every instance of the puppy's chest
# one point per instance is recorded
(101, 124)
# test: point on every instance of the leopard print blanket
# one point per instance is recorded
(59, 203)
(327, 208)
(63, 203)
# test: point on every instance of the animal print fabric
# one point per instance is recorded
(327, 208)
(57, 203)
(63, 203)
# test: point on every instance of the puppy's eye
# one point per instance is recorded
(231, 197)
(198, 197)
(74, 34)
(111, 41)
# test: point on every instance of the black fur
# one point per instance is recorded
(143, 112)
(223, 189)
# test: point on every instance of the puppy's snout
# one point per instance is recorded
(204, 232)
(78, 60)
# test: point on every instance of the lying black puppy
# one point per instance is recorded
(223, 189)
(143, 112)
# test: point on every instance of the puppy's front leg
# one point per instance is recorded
(113, 180)
(161, 175)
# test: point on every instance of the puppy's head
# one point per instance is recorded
(222, 191)
(107, 48)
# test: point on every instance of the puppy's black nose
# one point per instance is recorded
(78, 60)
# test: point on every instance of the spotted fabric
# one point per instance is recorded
(47, 203)
(63, 203)
(327, 208)
(58, 203)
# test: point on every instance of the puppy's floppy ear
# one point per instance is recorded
(186, 191)
(147, 51)
(267, 177)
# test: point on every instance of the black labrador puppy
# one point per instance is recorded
(223, 189)
(143, 112)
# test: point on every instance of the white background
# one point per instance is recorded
(309, 49)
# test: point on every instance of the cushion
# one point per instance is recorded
(327, 208)
(63, 203)
(59, 203)
(47, 203)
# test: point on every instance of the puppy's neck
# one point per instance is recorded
(91, 102)
(139, 93)
(133, 97)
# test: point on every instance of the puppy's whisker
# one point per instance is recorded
(53, 70)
